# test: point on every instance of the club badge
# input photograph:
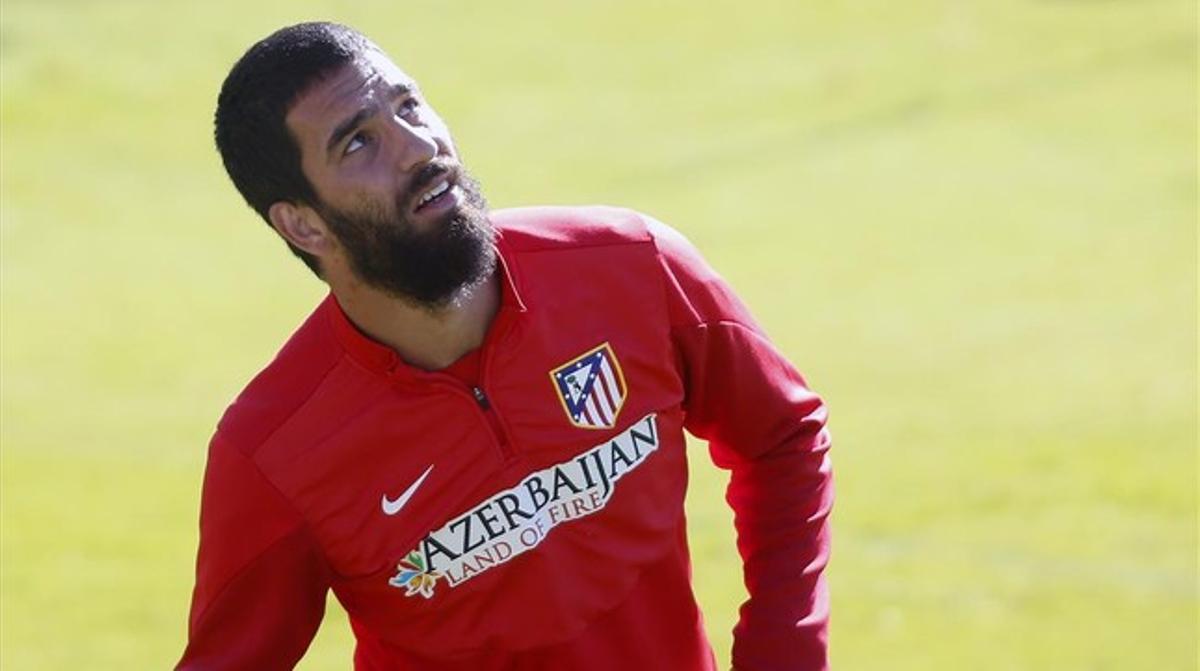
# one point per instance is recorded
(591, 388)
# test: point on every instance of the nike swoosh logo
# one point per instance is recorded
(393, 506)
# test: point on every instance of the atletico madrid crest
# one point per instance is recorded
(592, 388)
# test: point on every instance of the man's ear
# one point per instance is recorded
(302, 227)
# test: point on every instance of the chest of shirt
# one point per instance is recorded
(424, 492)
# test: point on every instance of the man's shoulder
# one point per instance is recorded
(286, 384)
(528, 229)
(561, 228)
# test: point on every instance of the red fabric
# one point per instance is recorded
(764, 425)
(466, 368)
(537, 540)
(261, 568)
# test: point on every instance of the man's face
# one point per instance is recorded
(389, 185)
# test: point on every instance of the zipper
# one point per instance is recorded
(493, 421)
(475, 392)
(501, 324)
(476, 396)
(481, 398)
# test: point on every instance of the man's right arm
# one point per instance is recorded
(260, 577)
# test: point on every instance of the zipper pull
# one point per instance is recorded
(481, 398)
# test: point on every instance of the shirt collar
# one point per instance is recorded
(380, 358)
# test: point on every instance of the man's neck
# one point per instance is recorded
(424, 338)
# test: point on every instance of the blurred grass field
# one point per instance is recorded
(972, 224)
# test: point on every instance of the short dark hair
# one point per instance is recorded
(259, 152)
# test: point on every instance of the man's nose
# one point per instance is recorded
(412, 144)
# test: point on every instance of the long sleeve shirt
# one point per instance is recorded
(529, 515)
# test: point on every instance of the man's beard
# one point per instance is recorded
(431, 268)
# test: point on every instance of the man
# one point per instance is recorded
(476, 441)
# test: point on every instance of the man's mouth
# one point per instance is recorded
(439, 191)
(440, 188)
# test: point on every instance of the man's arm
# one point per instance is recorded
(260, 578)
(767, 428)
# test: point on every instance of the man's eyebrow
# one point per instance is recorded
(346, 127)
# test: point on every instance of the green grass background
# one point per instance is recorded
(972, 224)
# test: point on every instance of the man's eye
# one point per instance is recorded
(357, 142)
(408, 106)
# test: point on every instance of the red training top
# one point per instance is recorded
(523, 510)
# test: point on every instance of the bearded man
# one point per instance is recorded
(476, 440)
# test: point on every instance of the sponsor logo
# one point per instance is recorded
(516, 520)
(591, 388)
(391, 507)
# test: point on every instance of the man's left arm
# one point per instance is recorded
(765, 426)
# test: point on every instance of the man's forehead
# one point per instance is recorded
(381, 66)
(347, 89)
